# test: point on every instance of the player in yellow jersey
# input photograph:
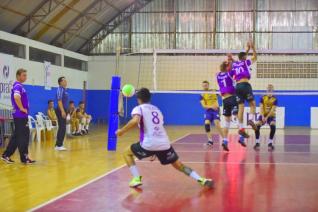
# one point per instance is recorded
(209, 102)
(74, 121)
(84, 118)
(268, 106)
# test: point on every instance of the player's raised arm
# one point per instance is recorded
(131, 124)
(254, 57)
(248, 47)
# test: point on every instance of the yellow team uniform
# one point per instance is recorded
(52, 115)
(74, 120)
(210, 100)
(268, 103)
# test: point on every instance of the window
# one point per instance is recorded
(70, 62)
(15, 49)
(39, 55)
(287, 70)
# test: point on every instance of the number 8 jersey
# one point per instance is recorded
(153, 136)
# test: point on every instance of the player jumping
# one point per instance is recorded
(154, 141)
(227, 90)
(268, 106)
(241, 73)
(209, 102)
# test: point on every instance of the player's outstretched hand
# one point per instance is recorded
(119, 132)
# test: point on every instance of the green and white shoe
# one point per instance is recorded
(209, 183)
(135, 182)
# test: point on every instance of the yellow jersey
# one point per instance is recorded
(268, 103)
(51, 114)
(209, 99)
(72, 113)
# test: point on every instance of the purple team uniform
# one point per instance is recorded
(241, 70)
(20, 137)
(18, 89)
(226, 85)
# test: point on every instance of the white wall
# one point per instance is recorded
(100, 71)
(36, 69)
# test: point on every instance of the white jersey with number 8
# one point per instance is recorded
(153, 135)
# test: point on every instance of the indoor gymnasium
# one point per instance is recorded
(159, 105)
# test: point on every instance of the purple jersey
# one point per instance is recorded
(241, 69)
(225, 82)
(19, 90)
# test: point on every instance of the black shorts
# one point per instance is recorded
(165, 156)
(244, 92)
(230, 106)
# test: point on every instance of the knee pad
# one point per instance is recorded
(207, 127)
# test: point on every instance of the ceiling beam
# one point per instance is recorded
(37, 15)
(82, 19)
(54, 19)
(111, 25)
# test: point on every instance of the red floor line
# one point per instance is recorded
(236, 163)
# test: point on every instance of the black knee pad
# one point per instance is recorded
(207, 127)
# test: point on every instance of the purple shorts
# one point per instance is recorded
(269, 120)
(212, 115)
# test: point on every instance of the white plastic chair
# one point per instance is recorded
(48, 124)
(68, 125)
(40, 127)
(33, 125)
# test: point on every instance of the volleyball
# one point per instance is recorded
(128, 90)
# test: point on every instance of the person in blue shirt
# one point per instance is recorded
(62, 105)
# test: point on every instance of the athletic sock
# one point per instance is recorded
(134, 171)
(241, 126)
(257, 141)
(270, 141)
(194, 175)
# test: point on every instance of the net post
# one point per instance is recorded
(154, 69)
(113, 113)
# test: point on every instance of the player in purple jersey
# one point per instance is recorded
(227, 90)
(20, 137)
(241, 73)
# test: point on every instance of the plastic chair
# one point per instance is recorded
(33, 128)
(40, 127)
(49, 124)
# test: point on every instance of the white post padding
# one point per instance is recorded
(314, 117)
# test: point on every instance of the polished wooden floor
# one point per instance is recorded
(24, 187)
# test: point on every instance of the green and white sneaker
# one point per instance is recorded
(209, 183)
(135, 182)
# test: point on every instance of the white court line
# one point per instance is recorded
(238, 163)
(89, 182)
(254, 152)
